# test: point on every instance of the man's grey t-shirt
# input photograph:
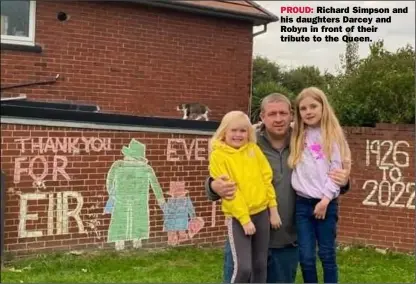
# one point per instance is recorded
(286, 196)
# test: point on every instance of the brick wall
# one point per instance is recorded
(380, 209)
(65, 209)
(134, 59)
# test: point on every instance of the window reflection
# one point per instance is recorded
(15, 18)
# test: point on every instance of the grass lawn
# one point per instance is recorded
(188, 265)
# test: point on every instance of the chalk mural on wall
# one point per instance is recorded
(197, 150)
(180, 221)
(35, 153)
(127, 184)
(45, 160)
(390, 191)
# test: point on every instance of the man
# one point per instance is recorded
(273, 138)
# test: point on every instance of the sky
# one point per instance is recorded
(325, 55)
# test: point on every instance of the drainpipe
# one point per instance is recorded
(251, 71)
(3, 203)
(261, 32)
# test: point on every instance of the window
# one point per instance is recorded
(18, 22)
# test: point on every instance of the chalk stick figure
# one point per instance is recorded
(128, 182)
(179, 215)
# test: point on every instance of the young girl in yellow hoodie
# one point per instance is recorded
(234, 152)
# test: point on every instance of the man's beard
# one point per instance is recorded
(276, 136)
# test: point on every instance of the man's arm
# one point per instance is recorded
(346, 164)
(212, 196)
(344, 189)
(342, 176)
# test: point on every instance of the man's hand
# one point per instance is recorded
(223, 187)
(341, 176)
(275, 220)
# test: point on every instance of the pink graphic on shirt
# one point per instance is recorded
(317, 149)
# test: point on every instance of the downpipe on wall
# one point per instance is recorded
(261, 32)
(251, 71)
(3, 203)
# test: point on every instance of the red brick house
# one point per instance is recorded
(140, 57)
(67, 179)
(63, 163)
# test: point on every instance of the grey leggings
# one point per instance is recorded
(250, 252)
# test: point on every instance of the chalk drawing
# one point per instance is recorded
(39, 167)
(58, 227)
(91, 221)
(42, 145)
(213, 213)
(390, 190)
(179, 150)
(127, 183)
(59, 165)
(68, 145)
(198, 150)
(179, 215)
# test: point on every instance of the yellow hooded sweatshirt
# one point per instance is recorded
(249, 168)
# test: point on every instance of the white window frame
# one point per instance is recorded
(24, 40)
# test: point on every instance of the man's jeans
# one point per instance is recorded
(311, 231)
(282, 264)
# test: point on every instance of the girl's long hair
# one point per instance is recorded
(230, 118)
(330, 127)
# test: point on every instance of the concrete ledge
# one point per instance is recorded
(102, 126)
(72, 115)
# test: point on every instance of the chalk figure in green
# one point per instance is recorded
(127, 183)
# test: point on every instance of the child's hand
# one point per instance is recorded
(320, 208)
(275, 220)
(249, 228)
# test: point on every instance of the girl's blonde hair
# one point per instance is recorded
(331, 129)
(230, 118)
